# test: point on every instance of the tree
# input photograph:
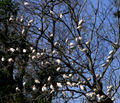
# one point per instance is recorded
(74, 53)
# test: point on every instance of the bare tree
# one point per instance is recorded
(75, 49)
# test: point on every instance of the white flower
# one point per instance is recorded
(112, 98)
(70, 75)
(38, 55)
(63, 92)
(81, 22)
(49, 78)
(61, 15)
(23, 31)
(52, 91)
(79, 27)
(73, 84)
(51, 35)
(111, 52)
(10, 60)
(30, 22)
(66, 41)
(71, 45)
(33, 57)
(88, 42)
(97, 75)
(12, 50)
(42, 54)
(21, 20)
(54, 52)
(91, 95)
(24, 83)
(17, 49)
(59, 85)
(56, 43)
(89, 79)
(34, 88)
(51, 12)
(58, 61)
(58, 69)
(77, 39)
(11, 18)
(51, 87)
(44, 88)
(26, 3)
(24, 50)
(37, 81)
(68, 83)
(82, 87)
(103, 65)
(2, 59)
(84, 49)
(31, 48)
(65, 76)
(17, 89)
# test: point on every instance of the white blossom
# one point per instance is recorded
(68, 83)
(37, 81)
(65, 76)
(73, 84)
(51, 87)
(51, 35)
(91, 95)
(103, 65)
(21, 19)
(70, 75)
(81, 22)
(33, 57)
(111, 52)
(51, 12)
(24, 50)
(23, 31)
(97, 75)
(11, 18)
(59, 85)
(30, 22)
(44, 88)
(79, 27)
(71, 45)
(49, 78)
(82, 87)
(58, 68)
(2, 59)
(61, 15)
(17, 89)
(34, 88)
(89, 79)
(83, 50)
(63, 92)
(12, 50)
(10, 60)
(77, 39)
(112, 98)
(38, 55)
(58, 61)
(26, 3)
(24, 83)
(31, 48)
